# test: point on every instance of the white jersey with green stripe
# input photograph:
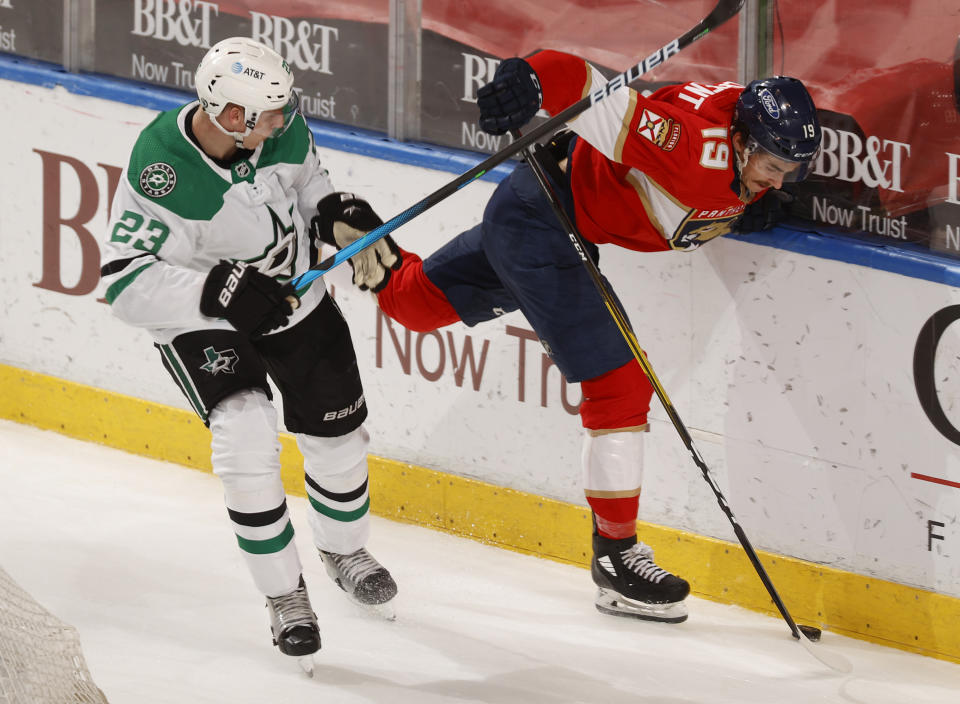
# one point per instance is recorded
(177, 213)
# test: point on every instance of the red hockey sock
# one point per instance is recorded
(618, 399)
(615, 518)
(412, 300)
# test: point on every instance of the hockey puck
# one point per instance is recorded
(812, 633)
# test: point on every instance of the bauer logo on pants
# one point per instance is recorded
(344, 412)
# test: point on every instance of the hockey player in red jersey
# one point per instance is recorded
(669, 171)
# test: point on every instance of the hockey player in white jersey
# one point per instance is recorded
(217, 211)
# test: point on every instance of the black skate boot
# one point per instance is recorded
(364, 579)
(294, 625)
(629, 583)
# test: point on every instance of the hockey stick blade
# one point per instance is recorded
(723, 11)
(835, 661)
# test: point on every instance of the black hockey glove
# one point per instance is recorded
(511, 99)
(766, 212)
(251, 302)
(343, 218)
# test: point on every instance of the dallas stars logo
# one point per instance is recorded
(219, 361)
(278, 257)
(158, 179)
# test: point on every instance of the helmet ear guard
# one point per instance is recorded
(778, 117)
(251, 75)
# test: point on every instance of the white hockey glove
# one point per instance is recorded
(343, 218)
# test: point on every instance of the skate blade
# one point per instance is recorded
(383, 611)
(614, 604)
(306, 664)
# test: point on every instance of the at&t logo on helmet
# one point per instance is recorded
(187, 23)
(237, 67)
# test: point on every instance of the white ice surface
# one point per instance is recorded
(139, 556)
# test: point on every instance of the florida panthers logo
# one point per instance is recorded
(158, 179)
(663, 132)
(701, 226)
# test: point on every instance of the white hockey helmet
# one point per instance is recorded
(247, 73)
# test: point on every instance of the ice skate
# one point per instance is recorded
(294, 626)
(629, 582)
(364, 579)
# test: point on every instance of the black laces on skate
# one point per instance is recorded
(639, 559)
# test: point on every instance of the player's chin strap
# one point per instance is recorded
(238, 137)
(739, 164)
(742, 160)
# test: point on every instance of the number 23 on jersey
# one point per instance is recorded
(130, 224)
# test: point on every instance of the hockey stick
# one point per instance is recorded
(804, 634)
(724, 10)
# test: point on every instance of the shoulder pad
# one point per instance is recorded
(167, 168)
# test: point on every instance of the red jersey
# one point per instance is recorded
(649, 173)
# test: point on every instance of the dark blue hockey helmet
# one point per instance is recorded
(778, 116)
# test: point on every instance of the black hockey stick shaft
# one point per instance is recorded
(623, 323)
(723, 11)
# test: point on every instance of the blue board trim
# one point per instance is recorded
(905, 260)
